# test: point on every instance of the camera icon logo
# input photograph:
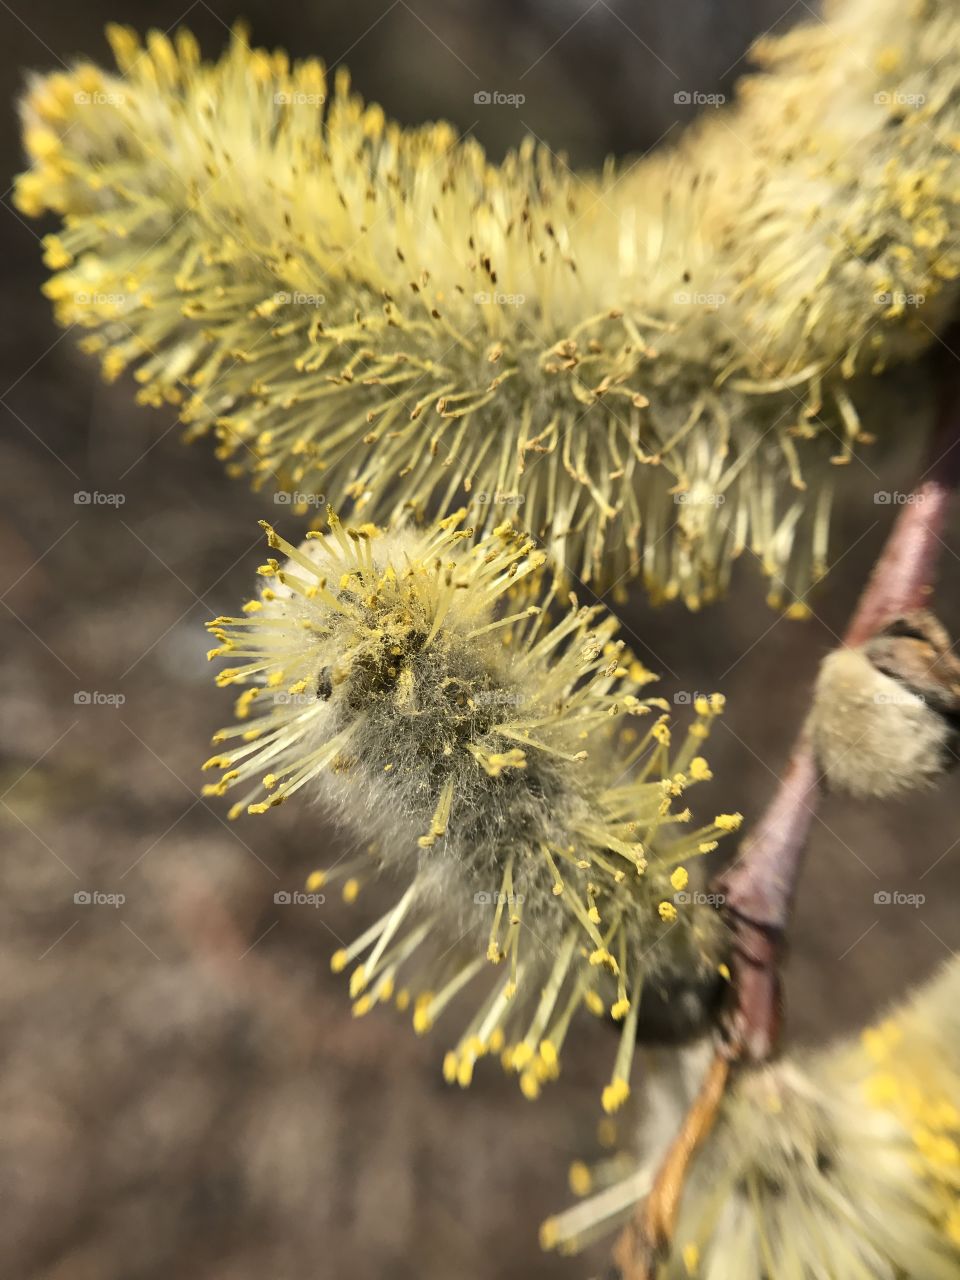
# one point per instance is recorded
(282, 497)
(682, 99)
(882, 898)
(482, 97)
(82, 698)
(282, 898)
(682, 899)
(82, 898)
(82, 498)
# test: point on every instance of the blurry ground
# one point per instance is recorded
(185, 1091)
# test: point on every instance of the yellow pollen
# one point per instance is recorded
(529, 1085)
(691, 1258)
(581, 1182)
(615, 1095)
(594, 1004)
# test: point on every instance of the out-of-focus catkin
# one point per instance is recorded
(827, 1166)
(506, 768)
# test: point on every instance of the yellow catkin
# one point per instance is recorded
(667, 356)
(483, 775)
(840, 1163)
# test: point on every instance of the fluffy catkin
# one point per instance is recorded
(885, 715)
(838, 1165)
(496, 765)
(659, 363)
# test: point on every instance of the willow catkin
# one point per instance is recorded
(657, 363)
(838, 1165)
(504, 767)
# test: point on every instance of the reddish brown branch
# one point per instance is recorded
(902, 578)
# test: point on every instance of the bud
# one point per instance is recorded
(884, 717)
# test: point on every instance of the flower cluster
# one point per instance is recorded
(658, 364)
(654, 369)
(495, 762)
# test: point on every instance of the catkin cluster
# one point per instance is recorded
(655, 369)
(500, 762)
(657, 364)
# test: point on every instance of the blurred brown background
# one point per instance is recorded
(184, 1088)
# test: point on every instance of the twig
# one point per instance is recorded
(642, 1243)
